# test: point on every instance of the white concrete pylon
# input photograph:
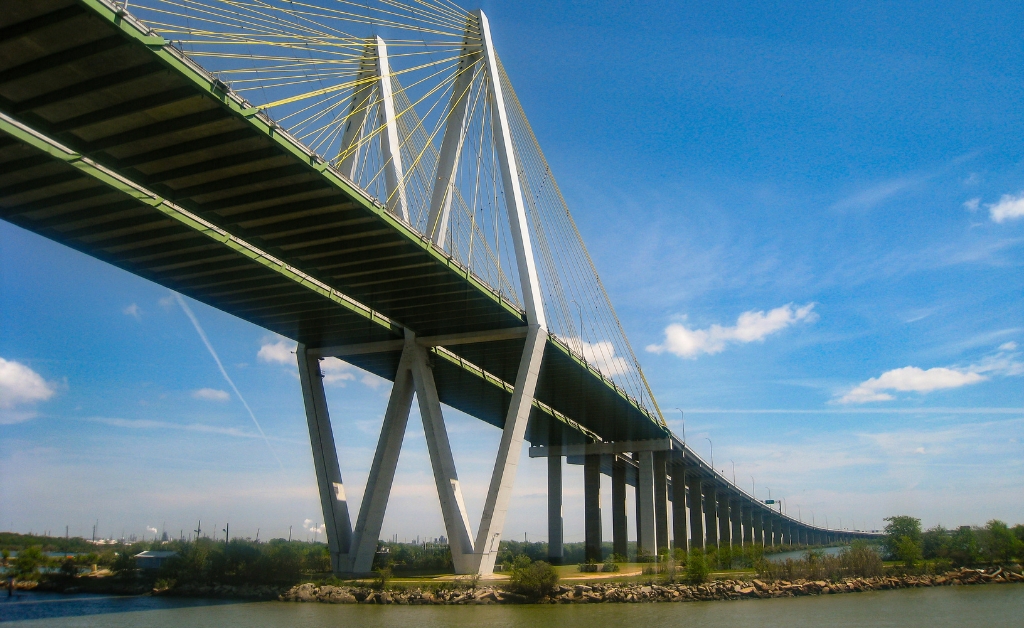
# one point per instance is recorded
(382, 470)
(454, 137)
(374, 87)
(446, 479)
(337, 524)
(514, 205)
(506, 463)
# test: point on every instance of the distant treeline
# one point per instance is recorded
(994, 543)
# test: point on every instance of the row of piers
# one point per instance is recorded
(680, 503)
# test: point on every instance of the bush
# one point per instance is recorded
(534, 580)
(380, 582)
(697, 570)
(609, 566)
(27, 563)
(124, 564)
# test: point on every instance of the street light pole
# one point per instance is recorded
(683, 419)
(733, 472)
(712, 453)
(753, 492)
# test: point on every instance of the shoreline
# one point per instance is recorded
(578, 593)
(649, 593)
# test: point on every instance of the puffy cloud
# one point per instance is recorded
(211, 394)
(281, 352)
(600, 355)
(754, 325)
(132, 310)
(971, 205)
(1008, 208)
(1008, 346)
(910, 379)
(336, 372)
(20, 386)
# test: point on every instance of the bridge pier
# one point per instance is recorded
(736, 514)
(696, 512)
(661, 501)
(710, 515)
(555, 516)
(592, 506)
(646, 525)
(337, 524)
(620, 540)
(724, 534)
(679, 515)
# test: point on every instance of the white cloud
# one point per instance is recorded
(133, 311)
(1008, 346)
(19, 386)
(335, 371)
(910, 379)
(1008, 208)
(281, 352)
(601, 355)
(972, 204)
(211, 394)
(151, 529)
(751, 326)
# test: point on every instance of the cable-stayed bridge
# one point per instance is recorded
(361, 178)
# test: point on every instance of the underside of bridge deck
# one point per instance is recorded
(107, 127)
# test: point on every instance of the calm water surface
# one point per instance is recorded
(992, 606)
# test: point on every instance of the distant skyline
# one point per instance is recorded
(810, 220)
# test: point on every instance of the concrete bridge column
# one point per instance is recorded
(679, 518)
(646, 530)
(724, 535)
(748, 524)
(755, 520)
(696, 511)
(592, 506)
(736, 514)
(661, 501)
(620, 541)
(710, 515)
(555, 521)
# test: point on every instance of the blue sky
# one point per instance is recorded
(809, 220)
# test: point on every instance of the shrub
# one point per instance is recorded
(383, 576)
(28, 561)
(697, 570)
(124, 564)
(534, 580)
(609, 566)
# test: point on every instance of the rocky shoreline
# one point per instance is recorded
(637, 593)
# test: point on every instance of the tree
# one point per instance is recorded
(935, 542)
(963, 547)
(1000, 544)
(28, 561)
(899, 528)
(124, 564)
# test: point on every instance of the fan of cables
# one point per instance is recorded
(372, 87)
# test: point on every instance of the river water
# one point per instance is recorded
(992, 606)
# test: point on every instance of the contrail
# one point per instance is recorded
(206, 341)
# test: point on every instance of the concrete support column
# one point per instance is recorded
(724, 533)
(592, 506)
(555, 520)
(661, 501)
(620, 541)
(776, 530)
(679, 518)
(337, 524)
(748, 525)
(710, 515)
(647, 539)
(696, 511)
(758, 525)
(736, 515)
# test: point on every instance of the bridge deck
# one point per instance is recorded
(116, 144)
